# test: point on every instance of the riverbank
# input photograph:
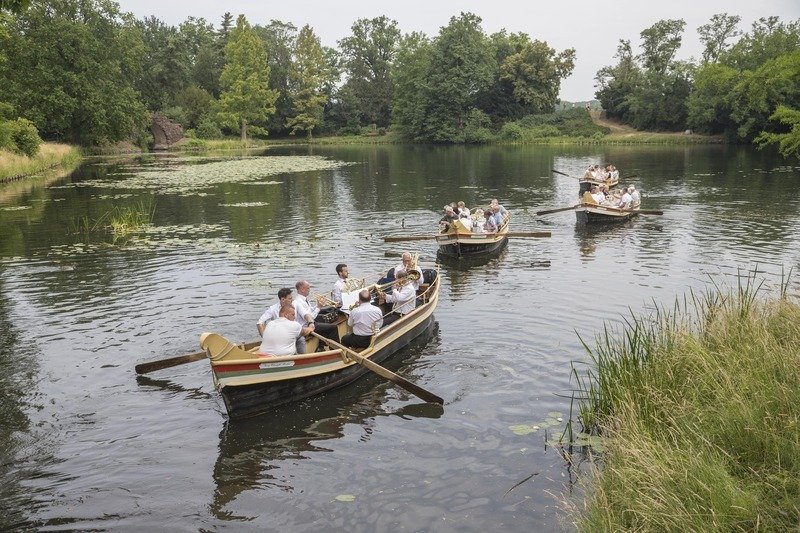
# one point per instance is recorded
(51, 155)
(701, 408)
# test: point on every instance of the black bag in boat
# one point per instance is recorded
(327, 315)
(428, 275)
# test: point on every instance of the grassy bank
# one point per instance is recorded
(702, 407)
(51, 155)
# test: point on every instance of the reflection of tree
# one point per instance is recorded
(249, 449)
(16, 381)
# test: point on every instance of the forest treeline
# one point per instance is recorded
(83, 71)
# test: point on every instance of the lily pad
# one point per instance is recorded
(345, 498)
(523, 429)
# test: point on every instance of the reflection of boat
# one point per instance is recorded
(590, 214)
(251, 450)
(250, 384)
(462, 243)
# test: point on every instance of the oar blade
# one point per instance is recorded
(403, 238)
(382, 371)
(534, 234)
(152, 366)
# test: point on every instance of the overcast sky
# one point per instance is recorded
(593, 28)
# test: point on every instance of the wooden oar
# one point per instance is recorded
(431, 237)
(642, 211)
(383, 372)
(567, 175)
(548, 211)
(152, 366)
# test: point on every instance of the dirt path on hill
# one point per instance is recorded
(613, 125)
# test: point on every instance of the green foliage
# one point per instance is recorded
(716, 33)
(535, 73)
(310, 77)
(25, 137)
(476, 127)
(616, 83)
(788, 142)
(768, 39)
(708, 105)
(208, 129)
(279, 39)
(512, 132)
(71, 67)
(177, 114)
(660, 42)
(196, 104)
(368, 55)
(246, 95)
(700, 405)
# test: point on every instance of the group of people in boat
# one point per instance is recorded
(457, 217)
(609, 174)
(283, 327)
(625, 198)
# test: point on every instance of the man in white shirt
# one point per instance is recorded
(404, 298)
(284, 297)
(281, 334)
(366, 319)
(338, 287)
(625, 200)
(636, 198)
(406, 264)
(306, 312)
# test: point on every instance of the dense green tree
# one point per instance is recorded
(616, 83)
(310, 78)
(708, 105)
(714, 35)
(409, 75)
(368, 56)
(196, 103)
(246, 96)
(535, 73)
(660, 42)
(14, 6)
(767, 39)
(71, 67)
(788, 142)
(659, 103)
(279, 39)
(166, 63)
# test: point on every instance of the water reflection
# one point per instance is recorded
(251, 450)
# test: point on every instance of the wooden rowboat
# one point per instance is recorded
(461, 243)
(250, 384)
(592, 214)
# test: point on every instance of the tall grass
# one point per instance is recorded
(121, 221)
(702, 409)
(13, 166)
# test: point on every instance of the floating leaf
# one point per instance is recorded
(345, 498)
(523, 429)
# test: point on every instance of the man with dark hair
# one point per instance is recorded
(338, 287)
(272, 312)
(365, 319)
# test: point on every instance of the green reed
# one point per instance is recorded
(701, 407)
(120, 221)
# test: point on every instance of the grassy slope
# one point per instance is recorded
(13, 166)
(704, 419)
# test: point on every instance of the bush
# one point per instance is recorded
(512, 131)
(545, 130)
(26, 137)
(177, 114)
(6, 138)
(208, 129)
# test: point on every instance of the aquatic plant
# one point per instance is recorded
(701, 407)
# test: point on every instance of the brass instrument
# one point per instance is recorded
(413, 275)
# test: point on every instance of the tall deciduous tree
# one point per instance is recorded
(716, 33)
(71, 67)
(368, 55)
(246, 96)
(660, 42)
(616, 83)
(310, 78)
(535, 73)
(279, 39)
(409, 73)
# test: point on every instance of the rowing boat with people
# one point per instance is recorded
(593, 213)
(250, 383)
(458, 241)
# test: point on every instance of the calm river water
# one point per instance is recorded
(87, 445)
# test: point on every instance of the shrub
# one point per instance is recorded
(208, 129)
(512, 131)
(177, 114)
(546, 130)
(26, 137)
(6, 138)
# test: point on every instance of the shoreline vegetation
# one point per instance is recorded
(50, 156)
(699, 410)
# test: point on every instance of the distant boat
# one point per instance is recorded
(459, 242)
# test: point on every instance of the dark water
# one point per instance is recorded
(87, 445)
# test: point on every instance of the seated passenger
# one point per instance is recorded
(489, 226)
(497, 215)
(449, 216)
(478, 221)
(281, 334)
(462, 209)
(365, 319)
(502, 209)
(404, 298)
(636, 199)
(625, 200)
(597, 195)
(465, 221)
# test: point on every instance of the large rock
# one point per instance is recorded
(165, 131)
